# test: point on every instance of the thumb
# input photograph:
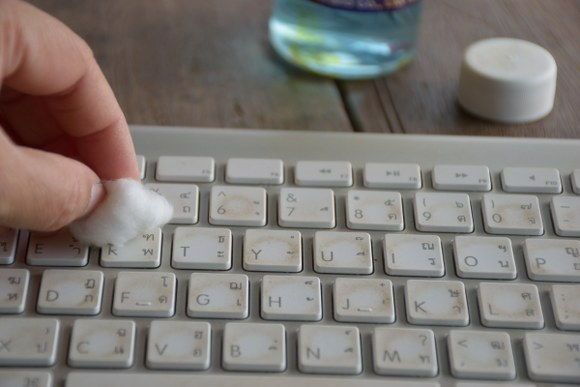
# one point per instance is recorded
(43, 191)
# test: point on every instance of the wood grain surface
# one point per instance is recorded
(208, 63)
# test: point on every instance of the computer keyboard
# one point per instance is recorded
(320, 259)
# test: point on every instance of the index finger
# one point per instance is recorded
(42, 57)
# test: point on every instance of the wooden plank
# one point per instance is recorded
(422, 97)
(200, 63)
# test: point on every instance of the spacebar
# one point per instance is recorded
(100, 379)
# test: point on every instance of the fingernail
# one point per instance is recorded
(97, 194)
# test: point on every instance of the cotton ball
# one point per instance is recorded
(128, 210)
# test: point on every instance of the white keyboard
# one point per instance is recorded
(315, 259)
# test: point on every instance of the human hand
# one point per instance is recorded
(61, 128)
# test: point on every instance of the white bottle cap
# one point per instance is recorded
(507, 80)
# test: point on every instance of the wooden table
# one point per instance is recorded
(209, 63)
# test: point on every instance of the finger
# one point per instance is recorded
(42, 57)
(43, 191)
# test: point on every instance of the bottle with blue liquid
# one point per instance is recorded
(348, 39)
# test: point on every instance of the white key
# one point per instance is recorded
(183, 197)
(13, 290)
(255, 171)
(237, 206)
(363, 300)
(144, 251)
(443, 212)
(510, 305)
(145, 294)
(413, 255)
(11, 378)
(28, 341)
(102, 344)
(404, 352)
(325, 349)
(8, 241)
(461, 178)
(306, 207)
(484, 257)
(291, 298)
(576, 181)
(254, 347)
(481, 355)
(185, 169)
(142, 165)
(436, 303)
(512, 214)
(552, 357)
(323, 173)
(566, 305)
(205, 248)
(531, 180)
(179, 345)
(394, 176)
(218, 296)
(57, 249)
(70, 292)
(374, 210)
(273, 250)
(343, 252)
(566, 215)
(553, 259)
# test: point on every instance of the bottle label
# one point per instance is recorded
(367, 5)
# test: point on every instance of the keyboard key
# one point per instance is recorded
(565, 210)
(443, 212)
(510, 305)
(11, 378)
(484, 257)
(374, 210)
(481, 355)
(404, 352)
(576, 181)
(306, 207)
(13, 290)
(342, 252)
(272, 250)
(461, 178)
(183, 197)
(179, 345)
(328, 349)
(144, 252)
(185, 169)
(291, 298)
(254, 347)
(323, 173)
(142, 165)
(436, 303)
(70, 292)
(237, 206)
(553, 259)
(363, 300)
(413, 255)
(512, 214)
(144, 294)
(531, 180)
(28, 341)
(8, 240)
(552, 357)
(56, 249)
(205, 248)
(566, 305)
(255, 171)
(102, 344)
(218, 296)
(393, 176)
